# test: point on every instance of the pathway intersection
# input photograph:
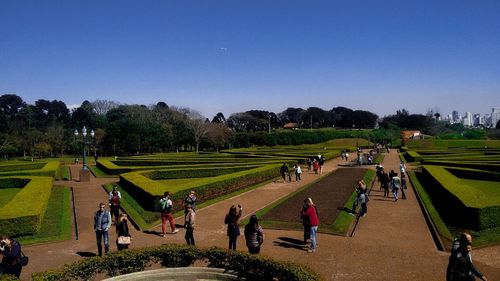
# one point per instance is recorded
(391, 243)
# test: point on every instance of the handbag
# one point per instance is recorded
(23, 260)
(123, 240)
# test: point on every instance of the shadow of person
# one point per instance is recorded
(289, 245)
(153, 232)
(86, 254)
(291, 240)
(345, 209)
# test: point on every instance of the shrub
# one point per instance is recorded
(23, 215)
(251, 267)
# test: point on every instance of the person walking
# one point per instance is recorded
(298, 172)
(122, 231)
(396, 186)
(10, 250)
(166, 214)
(114, 203)
(189, 221)
(312, 214)
(233, 227)
(254, 235)
(460, 266)
(321, 163)
(102, 223)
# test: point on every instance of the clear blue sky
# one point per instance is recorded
(233, 55)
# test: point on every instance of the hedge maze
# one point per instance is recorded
(461, 179)
(145, 178)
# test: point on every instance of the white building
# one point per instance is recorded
(495, 116)
(467, 119)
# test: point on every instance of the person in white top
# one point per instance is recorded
(298, 172)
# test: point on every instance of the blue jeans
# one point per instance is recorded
(99, 234)
(314, 229)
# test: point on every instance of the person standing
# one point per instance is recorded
(189, 221)
(305, 221)
(284, 171)
(233, 227)
(122, 230)
(166, 214)
(254, 235)
(102, 223)
(321, 162)
(114, 203)
(10, 249)
(384, 182)
(312, 214)
(191, 200)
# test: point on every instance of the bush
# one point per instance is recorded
(251, 267)
(23, 215)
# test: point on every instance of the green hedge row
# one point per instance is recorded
(195, 172)
(465, 164)
(148, 192)
(460, 203)
(24, 213)
(474, 174)
(48, 169)
(21, 166)
(251, 267)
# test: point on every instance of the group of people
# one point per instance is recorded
(286, 173)
(104, 219)
(315, 164)
(392, 182)
(166, 207)
(254, 235)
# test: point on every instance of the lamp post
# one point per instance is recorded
(84, 172)
(269, 118)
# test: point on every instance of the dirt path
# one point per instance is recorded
(391, 243)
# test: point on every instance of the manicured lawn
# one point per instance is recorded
(6, 194)
(56, 224)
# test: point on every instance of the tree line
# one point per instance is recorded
(46, 128)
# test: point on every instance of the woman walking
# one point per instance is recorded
(233, 228)
(254, 235)
(122, 231)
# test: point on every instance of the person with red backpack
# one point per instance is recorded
(114, 203)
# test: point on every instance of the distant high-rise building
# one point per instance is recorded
(476, 120)
(455, 117)
(495, 116)
(467, 119)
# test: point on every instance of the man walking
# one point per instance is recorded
(102, 223)
(166, 214)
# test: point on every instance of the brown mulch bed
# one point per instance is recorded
(329, 194)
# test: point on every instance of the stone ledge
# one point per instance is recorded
(177, 274)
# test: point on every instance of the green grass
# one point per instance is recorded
(63, 173)
(56, 224)
(6, 194)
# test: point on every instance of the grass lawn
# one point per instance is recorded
(56, 224)
(98, 173)
(6, 194)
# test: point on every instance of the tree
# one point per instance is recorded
(218, 134)
(43, 148)
(11, 105)
(101, 107)
(219, 118)
(55, 137)
(200, 129)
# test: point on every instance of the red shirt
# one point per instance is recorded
(313, 217)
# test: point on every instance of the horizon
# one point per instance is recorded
(232, 57)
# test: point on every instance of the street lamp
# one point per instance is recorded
(269, 118)
(84, 173)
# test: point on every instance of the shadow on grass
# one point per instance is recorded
(345, 209)
(287, 242)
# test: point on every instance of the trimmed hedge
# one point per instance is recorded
(460, 203)
(195, 172)
(148, 192)
(23, 214)
(21, 166)
(251, 267)
(49, 169)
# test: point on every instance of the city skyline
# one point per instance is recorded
(227, 56)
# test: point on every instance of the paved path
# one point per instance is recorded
(391, 243)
